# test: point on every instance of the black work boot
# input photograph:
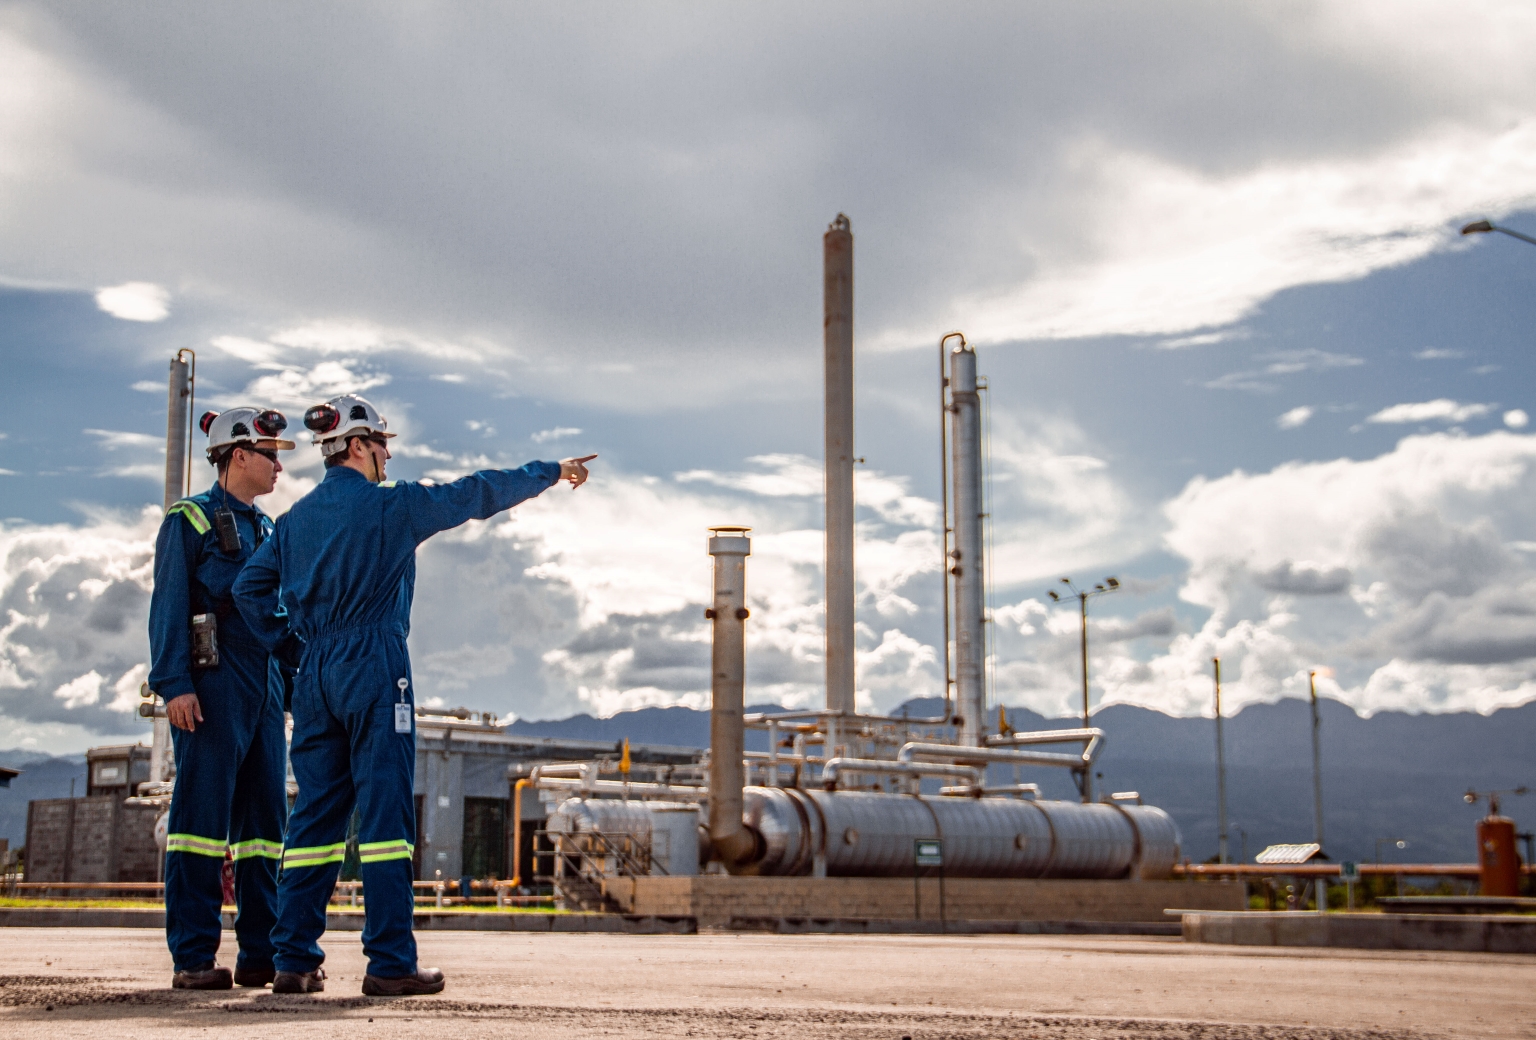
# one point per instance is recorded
(254, 976)
(425, 980)
(209, 976)
(299, 981)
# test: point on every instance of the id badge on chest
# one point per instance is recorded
(403, 710)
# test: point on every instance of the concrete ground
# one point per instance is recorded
(114, 983)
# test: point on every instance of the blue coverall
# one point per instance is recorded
(229, 790)
(343, 562)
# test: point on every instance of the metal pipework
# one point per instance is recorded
(731, 839)
(966, 558)
(1033, 790)
(178, 473)
(178, 425)
(956, 753)
(835, 767)
(1091, 737)
(837, 330)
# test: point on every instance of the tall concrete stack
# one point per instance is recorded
(837, 252)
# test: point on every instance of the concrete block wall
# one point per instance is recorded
(97, 838)
(714, 899)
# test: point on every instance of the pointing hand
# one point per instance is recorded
(575, 470)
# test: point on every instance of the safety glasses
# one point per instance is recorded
(267, 453)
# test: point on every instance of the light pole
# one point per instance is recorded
(1108, 585)
(1483, 227)
(1221, 775)
(1317, 758)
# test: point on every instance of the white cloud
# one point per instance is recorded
(559, 432)
(1516, 418)
(135, 301)
(1441, 409)
(1438, 354)
(1283, 363)
(81, 691)
(1296, 417)
(1171, 247)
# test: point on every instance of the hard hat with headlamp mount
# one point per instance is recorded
(341, 417)
(244, 427)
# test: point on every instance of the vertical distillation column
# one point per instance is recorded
(177, 427)
(966, 560)
(730, 547)
(837, 249)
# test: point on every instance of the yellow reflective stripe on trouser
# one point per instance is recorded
(379, 851)
(196, 844)
(194, 514)
(316, 856)
(256, 847)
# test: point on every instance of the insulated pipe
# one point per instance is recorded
(837, 331)
(837, 766)
(1091, 738)
(621, 788)
(965, 565)
(954, 753)
(732, 842)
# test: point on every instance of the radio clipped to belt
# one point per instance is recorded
(205, 640)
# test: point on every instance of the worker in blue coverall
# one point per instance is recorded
(342, 563)
(223, 697)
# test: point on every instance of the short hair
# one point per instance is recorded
(332, 461)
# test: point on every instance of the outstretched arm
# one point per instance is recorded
(481, 495)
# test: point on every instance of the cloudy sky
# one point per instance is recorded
(1239, 356)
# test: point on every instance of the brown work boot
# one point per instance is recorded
(209, 976)
(299, 981)
(254, 976)
(426, 980)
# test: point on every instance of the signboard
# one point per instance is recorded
(1349, 870)
(928, 852)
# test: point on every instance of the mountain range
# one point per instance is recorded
(1387, 778)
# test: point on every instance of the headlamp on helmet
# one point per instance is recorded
(342, 417)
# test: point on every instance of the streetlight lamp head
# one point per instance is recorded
(1054, 598)
(1098, 588)
(1066, 581)
(1402, 844)
(1470, 797)
(1477, 227)
(1113, 583)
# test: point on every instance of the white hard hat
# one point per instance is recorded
(258, 428)
(342, 417)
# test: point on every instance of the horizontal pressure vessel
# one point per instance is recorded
(871, 834)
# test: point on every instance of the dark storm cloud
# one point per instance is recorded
(635, 184)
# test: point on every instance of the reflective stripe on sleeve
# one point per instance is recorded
(194, 514)
(195, 844)
(316, 856)
(256, 847)
(388, 483)
(379, 851)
